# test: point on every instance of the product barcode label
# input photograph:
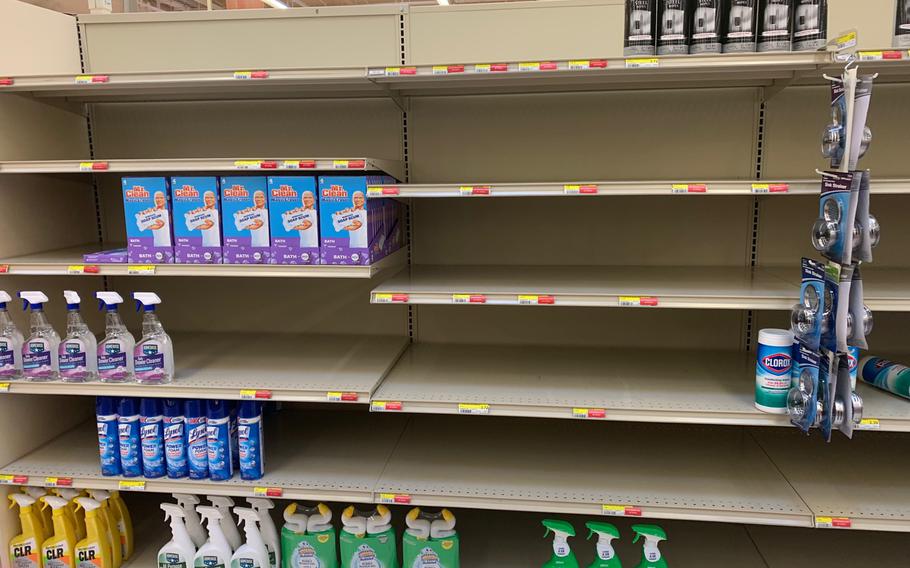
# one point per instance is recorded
(580, 189)
(770, 187)
(833, 523)
(140, 269)
(82, 269)
(446, 69)
(642, 63)
(58, 481)
(131, 486)
(639, 301)
(469, 299)
(4, 387)
(846, 41)
(536, 299)
(7, 479)
(382, 190)
(91, 79)
(395, 498)
(588, 413)
(869, 424)
(473, 408)
(268, 491)
(385, 406)
(337, 396)
(689, 188)
(93, 166)
(475, 190)
(348, 164)
(251, 394)
(621, 511)
(246, 75)
(379, 298)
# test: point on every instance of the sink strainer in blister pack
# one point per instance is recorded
(807, 316)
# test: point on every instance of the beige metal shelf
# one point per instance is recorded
(704, 387)
(394, 168)
(884, 289)
(592, 286)
(622, 188)
(70, 261)
(287, 367)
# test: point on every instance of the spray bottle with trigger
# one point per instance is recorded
(179, 552)
(606, 556)
(650, 555)
(216, 551)
(109, 525)
(562, 554)
(11, 341)
(95, 548)
(115, 352)
(191, 517)
(78, 354)
(77, 517)
(59, 547)
(40, 350)
(44, 516)
(253, 553)
(267, 528)
(228, 526)
(154, 354)
(25, 548)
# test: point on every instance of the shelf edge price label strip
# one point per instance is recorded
(380, 298)
(382, 190)
(396, 71)
(642, 63)
(589, 413)
(7, 479)
(83, 269)
(536, 300)
(93, 166)
(252, 394)
(620, 510)
(338, 396)
(447, 69)
(833, 523)
(385, 406)
(678, 188)
(140, 269)
(469, 299)
(880, 55)
(394, 499)
(4, 387)
(469, 190)
(473, 408)
(268, 491)
(580, 189)
(639, 301)
(131, 486)
(58, 481)
(247, 75)
(4, 269)
(349, 164)
(770, 188)
(91, 79)
(6, 81)
(845, 41)
(869, 424)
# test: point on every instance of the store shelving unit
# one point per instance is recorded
(70, 262)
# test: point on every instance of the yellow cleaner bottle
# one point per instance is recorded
(58, 550)
(124, 524)
(94, 551)
(24, 548)
(109, 524)
(44, 514)
(77, 517)
(179, 552)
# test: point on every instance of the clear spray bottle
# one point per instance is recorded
(40, 350)
(115, 352)
(10, 343)
(78, 354)
(154, 354)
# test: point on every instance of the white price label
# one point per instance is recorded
(473, 408)
(642, 63)
(621, 511)
(140, 269)
(385, 406)
(131, 486)
(869, 424)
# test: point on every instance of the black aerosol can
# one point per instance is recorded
(673, 27)
(776, 25)
(708, 19)
(742, 26)
(810, 25)
(641, 24)
(902, 24)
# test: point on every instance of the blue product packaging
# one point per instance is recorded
(235, 441)
(108, 437)
(294, 213)
(245, 224)
(837, 307)
(197, 451)
(802, 402)
(218, 438)
(149, 228)
(832, 233)
(853, 364)
(353, 229)
(197, 220)
(807, 316)
(175, 439)
(773, 370)
(827, 383)
(151, 422)
(250, 433)
(128, 429)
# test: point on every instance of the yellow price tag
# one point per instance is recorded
(471, 408)
(385, 406)
(140, 269)
(247, 164)
(4, 387)
(846, 41)
(642, 63)
(440, 70)
(621, 511)
(268, 491)
(131, 485)
(529, 66)
(586, 413)
(58, 481)
(482, 68)
(75, 269)
(869, 424)
(833, 523)
(395, 498)
(578, 64)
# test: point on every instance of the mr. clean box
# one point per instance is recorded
(294, 212)
(245, 209)
(147, 207)
(197, 220)
(356, 230)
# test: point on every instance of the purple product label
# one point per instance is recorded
(294, 255)
(111, 362)
(7, 357)
(35, 355)
(189, 250)
(143, 250)
(72, 361)
(236, 251)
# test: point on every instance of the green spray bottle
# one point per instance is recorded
(562, 557)
(606, 556)
(650, 554)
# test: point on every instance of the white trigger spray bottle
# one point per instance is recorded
(10, 343)
(179, 551)
(253, 553)
(650, 554)
(267, 526)
(154, 354)
(115, 352)
(193, 524)
(39, 353)
(216, 551)
(78, 355)
(228, 526)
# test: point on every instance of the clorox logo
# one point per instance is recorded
(852, 362)
(777, 364)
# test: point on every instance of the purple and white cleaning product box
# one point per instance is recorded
(149, 230)
(245, 208)
(356, 230)
(113, 256)
(197, 220)
(294, 211)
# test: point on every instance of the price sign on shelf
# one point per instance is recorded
(580, 189)
(379, 298)
(385, 406)
(396, 71)
(268, 491)
(7, 479)
(536, 299)
(131, 485)
(469, 299)
(639, 301)
(348, 164)
(93, 166)
(337, 396)
(6, 81)
(91, 79)
(83, 269)
(247, 75)
(869, 424)
(689, 188)
(880, 55)
(621, 511)
(529, 66)
(770, 187)
(140, 269)
(250, 394)
(642, 63)
(4, 269)
(845, 41)
(4, 387)
(589, 413)
(394, 498)
(581, 64)
(833, 523)
(58, 481)
(447, 69)
(468, 190)
(473, 408)
(382, 190)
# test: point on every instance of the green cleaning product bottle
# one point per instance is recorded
(606, 556)
(562, 554)
(308, 538)
(430, 540)
(650, 554)
(368, 541)
(25, 547)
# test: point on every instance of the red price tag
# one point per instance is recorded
(6, 81)
(307, 164)
(4, 268)
(499, 67)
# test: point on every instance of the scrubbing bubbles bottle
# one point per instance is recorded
(154, 354)
(10, 343)
(650, 554)
(40, 350)
(562, 554)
